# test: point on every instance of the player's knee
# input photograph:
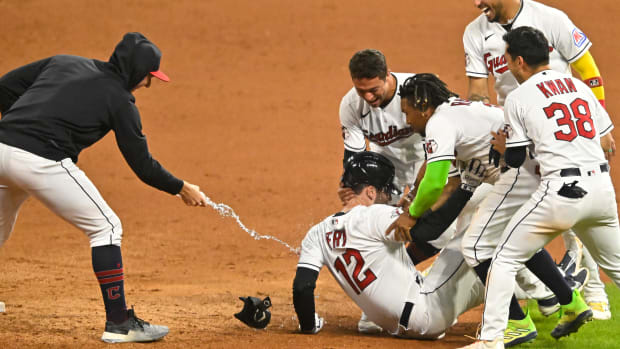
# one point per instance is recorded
(110, 233)
(469, 254)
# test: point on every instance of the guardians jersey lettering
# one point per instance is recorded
(386, 138)
(484, 46)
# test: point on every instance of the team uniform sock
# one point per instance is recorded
(515, 311)
(543, 266)
(108, 267)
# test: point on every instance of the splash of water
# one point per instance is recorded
(226, 211)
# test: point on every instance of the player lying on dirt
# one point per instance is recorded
(370, 262)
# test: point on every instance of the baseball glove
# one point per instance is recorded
(254, 312)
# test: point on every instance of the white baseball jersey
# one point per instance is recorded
(378, 275)
(484, 46)
(461, 130)
(562, 117)
(387, 132)
(372, 268)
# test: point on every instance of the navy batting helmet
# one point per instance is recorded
(369, 168)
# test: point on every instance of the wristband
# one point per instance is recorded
(596, 81)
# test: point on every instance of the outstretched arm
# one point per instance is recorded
(303, 300)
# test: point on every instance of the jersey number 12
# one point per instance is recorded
(356, 284)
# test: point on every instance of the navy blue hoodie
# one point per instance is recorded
(60, 105)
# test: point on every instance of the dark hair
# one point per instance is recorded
(424, 90)
(368, 64)
(529, 43)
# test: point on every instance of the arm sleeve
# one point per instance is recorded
(517, 136)
(475, 66)
(433, 223)
(588, 71)
(431, 187)
(515, 156)
(352, 133)
(303, 297)
(132, 144)
(14, 83)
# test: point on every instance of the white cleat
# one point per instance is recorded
(600, 310)
(366, 326)
(498, 343)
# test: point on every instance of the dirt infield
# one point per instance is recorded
(251, 115)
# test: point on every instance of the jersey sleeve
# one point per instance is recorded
(311, 256)
(352, 133)
(602, 121)
(440, 140)
(474, 58)
(132, 144)
(569, 40)
(513, 117)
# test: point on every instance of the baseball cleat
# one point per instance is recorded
(366, 326)
(498, 343)
(572, 316)
(577, 280)
(133, 329)
(548, 306)
(569, 263)
(600, 310)
(520, 331)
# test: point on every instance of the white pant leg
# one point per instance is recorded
(594, 289)
(450, 288)
(536, 223)
(67, 191)
(11, 199)
(601, 233)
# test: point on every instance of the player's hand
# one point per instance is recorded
(191, 195)
(401, 227)
(345, 194)
(499, 141)
(406, 200)
(318, 325)
(609, 145)
(472, 175)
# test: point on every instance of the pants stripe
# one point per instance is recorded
(493, 214)
(502, 247)
(448, 279)
(91, 199)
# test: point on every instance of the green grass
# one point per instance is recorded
(594, 334)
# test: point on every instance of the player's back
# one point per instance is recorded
(562, 119)
(461, 130)
(373, 270)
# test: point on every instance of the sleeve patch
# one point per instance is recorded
(579, 38)
(430, 146)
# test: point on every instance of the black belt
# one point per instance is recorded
(404, 317)
(575, 172)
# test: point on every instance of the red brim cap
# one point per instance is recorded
(160, 75)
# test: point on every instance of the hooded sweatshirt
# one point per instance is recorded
(58, 106)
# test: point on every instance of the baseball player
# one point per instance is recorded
(51, 110)
(484, 53)
(369, 260)
(370, 112)
(561, 117)
(459, 130)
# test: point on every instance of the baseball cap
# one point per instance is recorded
(160, 75)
